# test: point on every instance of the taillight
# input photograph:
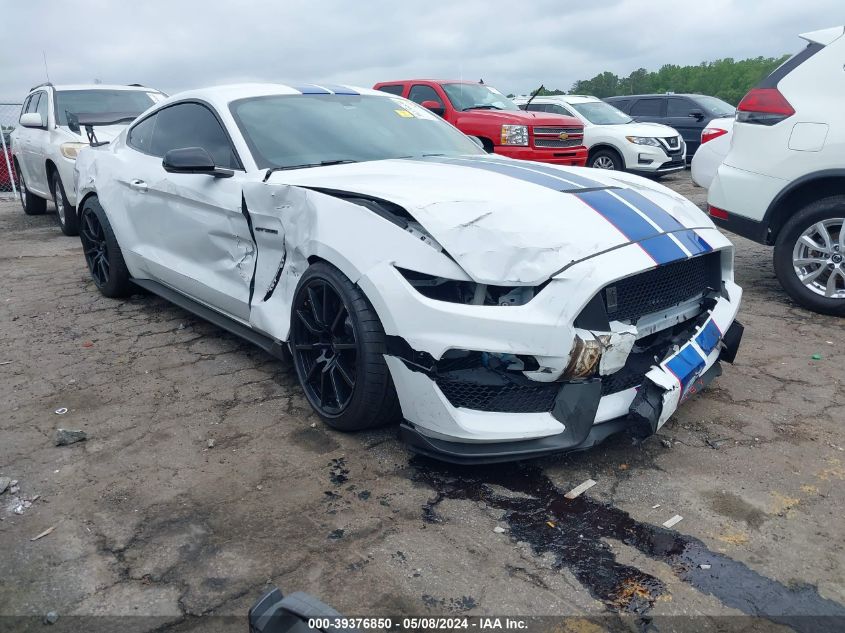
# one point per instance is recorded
(716, 212)
(709, 133)
(764, 106)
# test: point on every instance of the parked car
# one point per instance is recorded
(613, 139)
(783, 180)
(501, 309)
(715, 143)
(485, 113)
(687, 113)
(45, 143)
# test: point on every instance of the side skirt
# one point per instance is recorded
(269, 345)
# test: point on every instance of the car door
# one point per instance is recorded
(649, 109)
(189, 230)
(40, 137)
(26, 138)
(680, 115)
(422, 92)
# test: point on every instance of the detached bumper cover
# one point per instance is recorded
(577, 403)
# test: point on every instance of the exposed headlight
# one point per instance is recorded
(514, 135)
(643, 140)
(70, 150)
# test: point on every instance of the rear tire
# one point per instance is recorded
(606, 159)
(32, 204)
(812, 244)
(102, 252)
(65, 213)
(338, 346)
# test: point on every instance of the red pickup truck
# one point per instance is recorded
(479, 110)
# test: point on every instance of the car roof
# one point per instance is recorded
(564, 98)
(93, 87)
(221, 96)
(433, 81)
(657, 94)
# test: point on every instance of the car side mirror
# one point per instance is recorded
(696, 114)
(434, 106)
(32, 119)
(193, 160)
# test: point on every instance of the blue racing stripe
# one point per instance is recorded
(628, 221)
(653, 212)
(709, 337)
(686, 365)
(311, 89)
(663, 249)
(553, 171)
(525, 173)
(693, 242)
(340, 90)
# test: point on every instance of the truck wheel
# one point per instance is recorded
(606, 159)
(32, 204)
(65, 213)
(338, 346)
(810, 256)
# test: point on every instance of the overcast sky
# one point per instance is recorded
(515, 46)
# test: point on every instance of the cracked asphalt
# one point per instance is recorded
(152, 522)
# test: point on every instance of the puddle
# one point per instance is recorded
(578, 533)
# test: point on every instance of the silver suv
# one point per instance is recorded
(49, 135)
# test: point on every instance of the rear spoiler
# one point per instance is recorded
(76, 121)
(824, 36)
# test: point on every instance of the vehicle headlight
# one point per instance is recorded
(514, 135)
(643, 140)
(70, 150)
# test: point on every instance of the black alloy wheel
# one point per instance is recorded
(326, 346)
(95, 247)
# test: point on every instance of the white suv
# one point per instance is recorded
(783, 180)
(49, 135)
(615, 140)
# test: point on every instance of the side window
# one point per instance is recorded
(679, 107)
(621, 104)
(420, 93)
(26, 104)
(141, 136)
(41, 108)
(192, 125)
(559, 109)
(395, 89)
(647, 107)
(536, 107)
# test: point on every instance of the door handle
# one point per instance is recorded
(138, 185)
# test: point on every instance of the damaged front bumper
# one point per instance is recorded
(577, 404)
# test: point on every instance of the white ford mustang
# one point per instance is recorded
(500, 309)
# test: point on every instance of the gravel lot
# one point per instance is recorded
(152, 522)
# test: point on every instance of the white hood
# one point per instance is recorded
(507, 221)
(644, 129)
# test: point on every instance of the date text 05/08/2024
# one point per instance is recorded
(429, 623)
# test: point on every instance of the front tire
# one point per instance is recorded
(102, 252)
(809, 256)
(338, 346)
(606, 159)
(32, 204)
(65, 213)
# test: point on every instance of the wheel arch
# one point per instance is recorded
(797, 195)
(50, 168)
(81, 202)
(595, 149)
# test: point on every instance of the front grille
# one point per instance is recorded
(555, 142)
(557, 131)
(489, 391)
(671, 143)
(661, 288)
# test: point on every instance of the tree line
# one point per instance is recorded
(727, 79)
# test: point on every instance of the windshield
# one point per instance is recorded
(305, 130)
(477, 96)
(716, 106)
(102, 101)
(601, 113)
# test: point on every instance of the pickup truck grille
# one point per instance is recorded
(551, 136)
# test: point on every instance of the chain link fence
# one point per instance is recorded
(9, 115)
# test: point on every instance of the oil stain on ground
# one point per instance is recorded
(575, 533)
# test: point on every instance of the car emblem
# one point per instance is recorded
(612, 300)
(563, 136)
